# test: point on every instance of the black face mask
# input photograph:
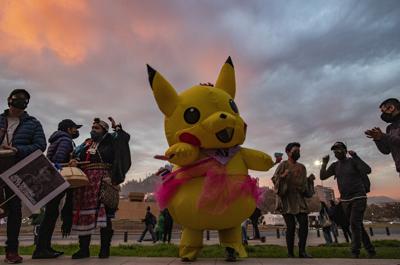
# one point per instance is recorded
(96, 136)
(19, 103)
(340, 155)
(295, 156)
(388, 117)
(75, 135)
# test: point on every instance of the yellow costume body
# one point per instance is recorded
(205, 118)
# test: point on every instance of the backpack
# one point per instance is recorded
(153, 219)
(365, 179)
(366, 182)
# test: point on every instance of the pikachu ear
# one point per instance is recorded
(226, 79)
(165, 95)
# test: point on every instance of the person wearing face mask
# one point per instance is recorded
(351, 174)
(291, 186)
(20, 134)
(389, 142)
(59, 151)
(106, 158)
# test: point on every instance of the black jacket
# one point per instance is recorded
(114, 149)
(349, 174)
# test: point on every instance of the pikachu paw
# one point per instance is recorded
(182, 154)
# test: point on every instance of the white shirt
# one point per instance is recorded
(13, 123)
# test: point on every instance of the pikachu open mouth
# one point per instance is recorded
(225, 135)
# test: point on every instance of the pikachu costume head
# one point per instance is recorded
(209, 187)
(202, 115)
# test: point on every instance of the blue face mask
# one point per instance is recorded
(96, 136)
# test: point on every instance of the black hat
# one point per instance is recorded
(338, 145)
(291, 145)
(67, 123)
(18, 91)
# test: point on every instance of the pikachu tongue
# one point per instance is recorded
(189, 139)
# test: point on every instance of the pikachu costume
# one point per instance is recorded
(209, 187)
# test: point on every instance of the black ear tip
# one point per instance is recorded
(229, 61)
(150, 69)
(151, 73)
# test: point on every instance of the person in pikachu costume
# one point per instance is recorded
(209, 187)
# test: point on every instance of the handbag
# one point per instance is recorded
(109, 195)
(325, 220)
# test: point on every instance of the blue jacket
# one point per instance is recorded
(28, 136)
(60, 148)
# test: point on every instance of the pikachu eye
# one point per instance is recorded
(233, 106)
(191, 115)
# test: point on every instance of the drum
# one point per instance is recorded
(75, 177)
(6, 153)
(7, 160)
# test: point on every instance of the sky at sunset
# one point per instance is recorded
(308, 71)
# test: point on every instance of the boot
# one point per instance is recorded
(83, 252)
(230, 254)
(105, 242)
(304, 255)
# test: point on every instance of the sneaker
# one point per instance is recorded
(81, 254)
(230, 255)
(13, 258)
(371, 254)
(44, 254)
(304, 255)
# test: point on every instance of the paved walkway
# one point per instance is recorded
(312, 240)
(174, 261)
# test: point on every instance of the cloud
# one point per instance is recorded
(312, 72)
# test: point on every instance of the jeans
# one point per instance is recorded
(354, 211)
(167, 232)
(14, 221)
(49, 222)
(244, 234)
(149, 228)
(256, 231)
(290, 220)
(346, 232)
(327, 235)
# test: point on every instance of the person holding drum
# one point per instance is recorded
(20, 135)
(59, 151)
(105, 159)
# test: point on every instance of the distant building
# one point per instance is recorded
(324, 194)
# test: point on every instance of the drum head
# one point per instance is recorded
(77, 182)
(75, 177)
(6, 153)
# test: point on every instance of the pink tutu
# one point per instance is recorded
(219, 191)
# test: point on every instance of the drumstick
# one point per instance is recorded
(7, 200)
(78, 163)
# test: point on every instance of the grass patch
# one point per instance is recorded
(386, 249)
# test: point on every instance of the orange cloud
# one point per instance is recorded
(37, 26)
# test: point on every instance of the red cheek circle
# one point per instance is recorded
(189, 139)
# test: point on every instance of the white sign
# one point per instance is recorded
(35, 180)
